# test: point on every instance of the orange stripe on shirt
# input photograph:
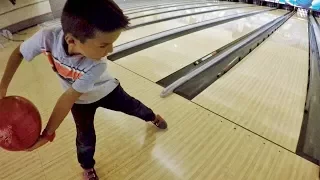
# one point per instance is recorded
(63, 70)
(49, 55)
(67, 72)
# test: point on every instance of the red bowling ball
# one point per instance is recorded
(20, 123)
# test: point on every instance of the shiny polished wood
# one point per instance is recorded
(166, 58)
(266, 91)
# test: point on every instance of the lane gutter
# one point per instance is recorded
(217, 65)
(309, 140)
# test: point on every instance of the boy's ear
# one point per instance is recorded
(70, 39)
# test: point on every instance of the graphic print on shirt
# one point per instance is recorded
(67, 72)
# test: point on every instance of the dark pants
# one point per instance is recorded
(117, 100)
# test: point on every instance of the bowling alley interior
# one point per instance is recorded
(237, 82)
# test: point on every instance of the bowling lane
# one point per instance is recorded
(179, 7)
(140, 32)
(149, 6)
(266, 91)
(183, 12)
(164, 59)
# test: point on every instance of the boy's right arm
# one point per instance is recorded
(12, 66)
(27, 50)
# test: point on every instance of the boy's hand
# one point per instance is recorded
(60, 111)
(3, 92)
(41, 141)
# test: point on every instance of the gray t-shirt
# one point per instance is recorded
(81, 73)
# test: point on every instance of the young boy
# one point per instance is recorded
(89, 29)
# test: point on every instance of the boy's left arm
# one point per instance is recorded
(60, 111)
(82, 85)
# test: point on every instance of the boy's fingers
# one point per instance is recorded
(38, 144)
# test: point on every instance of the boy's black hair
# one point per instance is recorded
(82, 18)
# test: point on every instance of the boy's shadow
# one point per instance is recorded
(148, 143)
(150, 146)
(150, 137)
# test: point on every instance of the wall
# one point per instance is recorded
(56, 7)
(24, 14)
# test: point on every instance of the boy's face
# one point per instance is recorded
(99, 46)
